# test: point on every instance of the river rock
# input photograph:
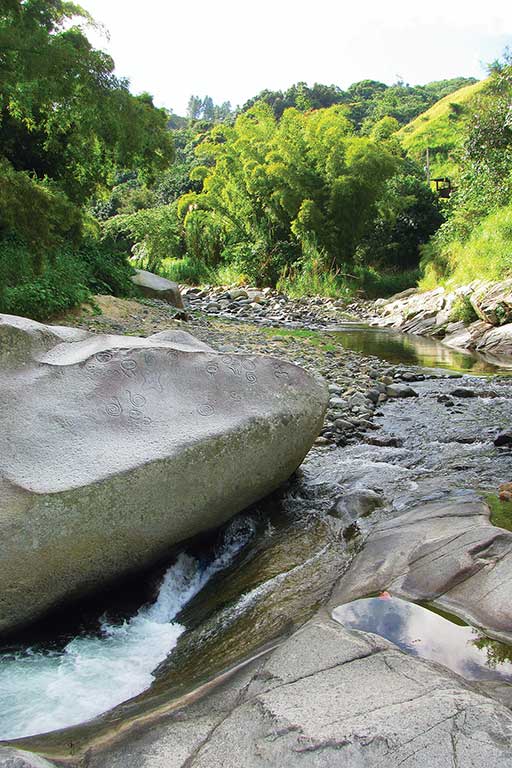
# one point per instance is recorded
(492, 302)
(400, 390)
(429, 313)
(503, 439)
(115, 448)
(496, 342)
(357, 503)
(446, 552)
(156, 287)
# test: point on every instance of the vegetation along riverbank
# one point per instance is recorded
(255, 408)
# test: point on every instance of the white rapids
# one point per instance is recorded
(42, 690)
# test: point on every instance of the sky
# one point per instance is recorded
(232, 50)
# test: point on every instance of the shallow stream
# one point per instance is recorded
(430, 634)
(220, 602)
(408, 349)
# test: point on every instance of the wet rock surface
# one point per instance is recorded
(444, 552)
(330, 697)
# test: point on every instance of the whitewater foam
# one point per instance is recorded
(43, 690)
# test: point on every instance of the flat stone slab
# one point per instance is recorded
(447, 552)
(330, 698)
(113, 448)
(155, 287)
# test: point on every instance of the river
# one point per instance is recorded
(222, 599)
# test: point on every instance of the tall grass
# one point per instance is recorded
(187, 270)
(309, 281)
(485, 255)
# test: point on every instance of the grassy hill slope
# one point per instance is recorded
(439, 129)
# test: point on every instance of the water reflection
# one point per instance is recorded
(402, 348)
(429, 635)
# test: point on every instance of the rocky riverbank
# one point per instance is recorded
(477, 316)
(358, 385)
(405, 484)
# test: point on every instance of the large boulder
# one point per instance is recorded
(492, 302)
(114, 448)
(156, 287)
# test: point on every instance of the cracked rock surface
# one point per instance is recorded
(329, 697)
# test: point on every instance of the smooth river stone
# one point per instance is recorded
(155, 287)
(446, 552)
(114, 448)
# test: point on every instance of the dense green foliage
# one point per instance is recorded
(303, 201)
(64, 278)
(366, 101)
(476, 240)
(68, 126)
(315, 189)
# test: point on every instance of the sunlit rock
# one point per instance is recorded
(155, 287)
(114, 448)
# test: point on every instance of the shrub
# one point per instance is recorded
(153, 234)
(376, 284)
(36, 212)
(61, 286)
(463, 310)
(187, 270)
(106, 267)
(63, 279)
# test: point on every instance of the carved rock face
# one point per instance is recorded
(114, 448)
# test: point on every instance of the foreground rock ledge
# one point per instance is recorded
(114, 448)
(327, 698)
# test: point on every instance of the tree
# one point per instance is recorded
(194, 107)
(64, 115)
(208, 109)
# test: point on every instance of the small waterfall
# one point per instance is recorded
(44, 690)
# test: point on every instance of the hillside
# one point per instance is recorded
(440, 129)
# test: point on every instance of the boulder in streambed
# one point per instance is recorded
(155, 287)
(446, 552)
(400, 390)
(114, 448)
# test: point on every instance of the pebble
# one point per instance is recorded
(400, 390)
(504, 440)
